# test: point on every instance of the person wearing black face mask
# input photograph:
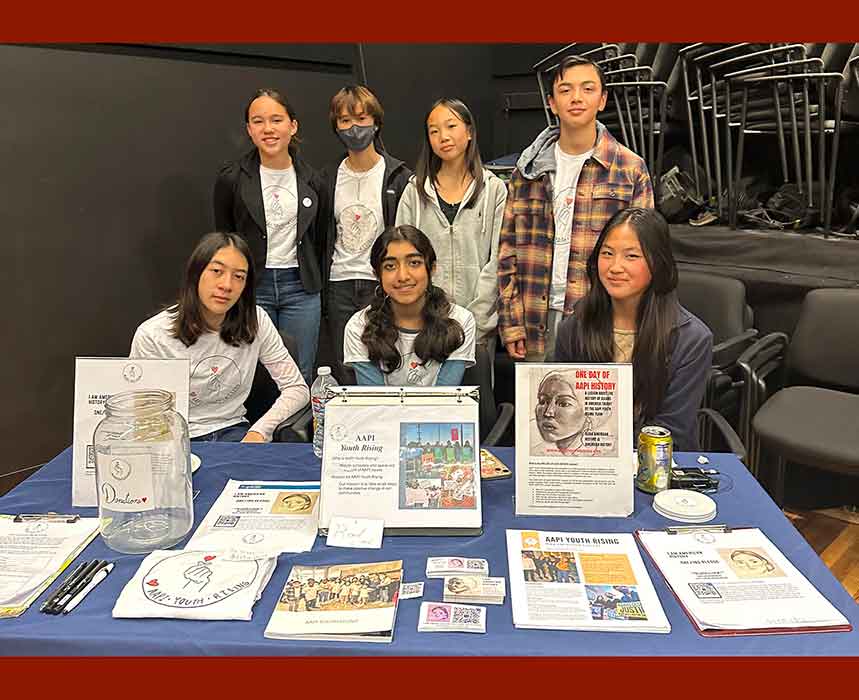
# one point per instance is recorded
(361, 198)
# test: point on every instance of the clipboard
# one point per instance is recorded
(707, 631)
(89, 530)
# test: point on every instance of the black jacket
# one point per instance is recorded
(394, 181)
(239, 208)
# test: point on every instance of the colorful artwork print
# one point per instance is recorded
(550, 567)
(615, 603)
(437, 466)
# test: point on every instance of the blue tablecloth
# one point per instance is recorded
(90, 629)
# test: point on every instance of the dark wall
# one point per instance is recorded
(108, 166)
(110, 154)
(408, 78)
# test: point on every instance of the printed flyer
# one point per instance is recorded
(574, 441)
(415, 465)
(581, 581)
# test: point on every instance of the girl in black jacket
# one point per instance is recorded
(271, 198)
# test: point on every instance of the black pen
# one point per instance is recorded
(82, 581)
(63, 587)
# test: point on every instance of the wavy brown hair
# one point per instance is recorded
(441, 334)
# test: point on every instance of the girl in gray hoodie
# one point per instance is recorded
(459, 205)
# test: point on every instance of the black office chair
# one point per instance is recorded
(720, 302)
(297, 427)
(803, 395)
(494, 418)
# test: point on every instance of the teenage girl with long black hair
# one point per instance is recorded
(410, 334)
(631, 314)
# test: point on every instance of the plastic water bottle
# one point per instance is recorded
(318, 394)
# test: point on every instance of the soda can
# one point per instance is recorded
(655, 447)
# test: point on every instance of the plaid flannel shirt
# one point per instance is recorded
(613, 178)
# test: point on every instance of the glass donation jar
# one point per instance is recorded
(143, 472)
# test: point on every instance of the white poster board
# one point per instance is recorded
(574, 441)
(96, 380)
(408, 456)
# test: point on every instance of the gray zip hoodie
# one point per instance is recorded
(467, 251)
(539, 158)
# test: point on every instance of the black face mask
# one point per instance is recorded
(357, 138)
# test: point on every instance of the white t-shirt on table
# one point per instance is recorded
(280, 199)
(359, 217)
(222, 375)
(411, 372)
(564, 183)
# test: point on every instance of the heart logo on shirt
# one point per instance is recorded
(569, 199)
(143, 499)
(215, 370)
(413, 365)
(152, 582)
(357, 217)
(209, 558)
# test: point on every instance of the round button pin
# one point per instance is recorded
(307, 201)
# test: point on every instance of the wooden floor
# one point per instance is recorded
(836, 542)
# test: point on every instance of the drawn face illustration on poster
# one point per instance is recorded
(573, 415)
(750, 563)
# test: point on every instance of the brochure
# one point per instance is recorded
(581, 581)
(342, 602)
(574, 441)
(736, 581)
(254, 519)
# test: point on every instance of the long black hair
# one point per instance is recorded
(240, 324)
(280, 98)
(439, 337)
(429, 163)
(657, 310)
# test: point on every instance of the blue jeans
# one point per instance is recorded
(232, 433)
(293, 311)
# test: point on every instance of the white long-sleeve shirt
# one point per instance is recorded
(222, 375)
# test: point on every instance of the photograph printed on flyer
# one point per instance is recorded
(437, 466)
(549, 567)
(341, 587)
(294, 503)
(573, 412)
(615, 603)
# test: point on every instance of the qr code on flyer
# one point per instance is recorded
(704, 590)
(466, 616)
(90, 456)
(227, 521)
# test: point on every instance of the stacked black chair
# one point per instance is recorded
(803, 396)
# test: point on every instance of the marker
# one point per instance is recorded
(82, 581)
(64, 587)
(99, 576)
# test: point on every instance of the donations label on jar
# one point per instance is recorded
(125, 482)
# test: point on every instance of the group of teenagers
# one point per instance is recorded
(568, 262)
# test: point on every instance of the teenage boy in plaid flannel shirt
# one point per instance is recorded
(565, 187)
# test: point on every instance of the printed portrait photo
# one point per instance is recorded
(294, 503)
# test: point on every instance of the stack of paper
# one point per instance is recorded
(483, 590)
(339, 602)
(34, 550)
(581, 581)
(735, 581)
(194, 585)
(439, 567)
(447, 617)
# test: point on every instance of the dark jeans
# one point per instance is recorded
(232, 433)
(344, 299)
(293, 311)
